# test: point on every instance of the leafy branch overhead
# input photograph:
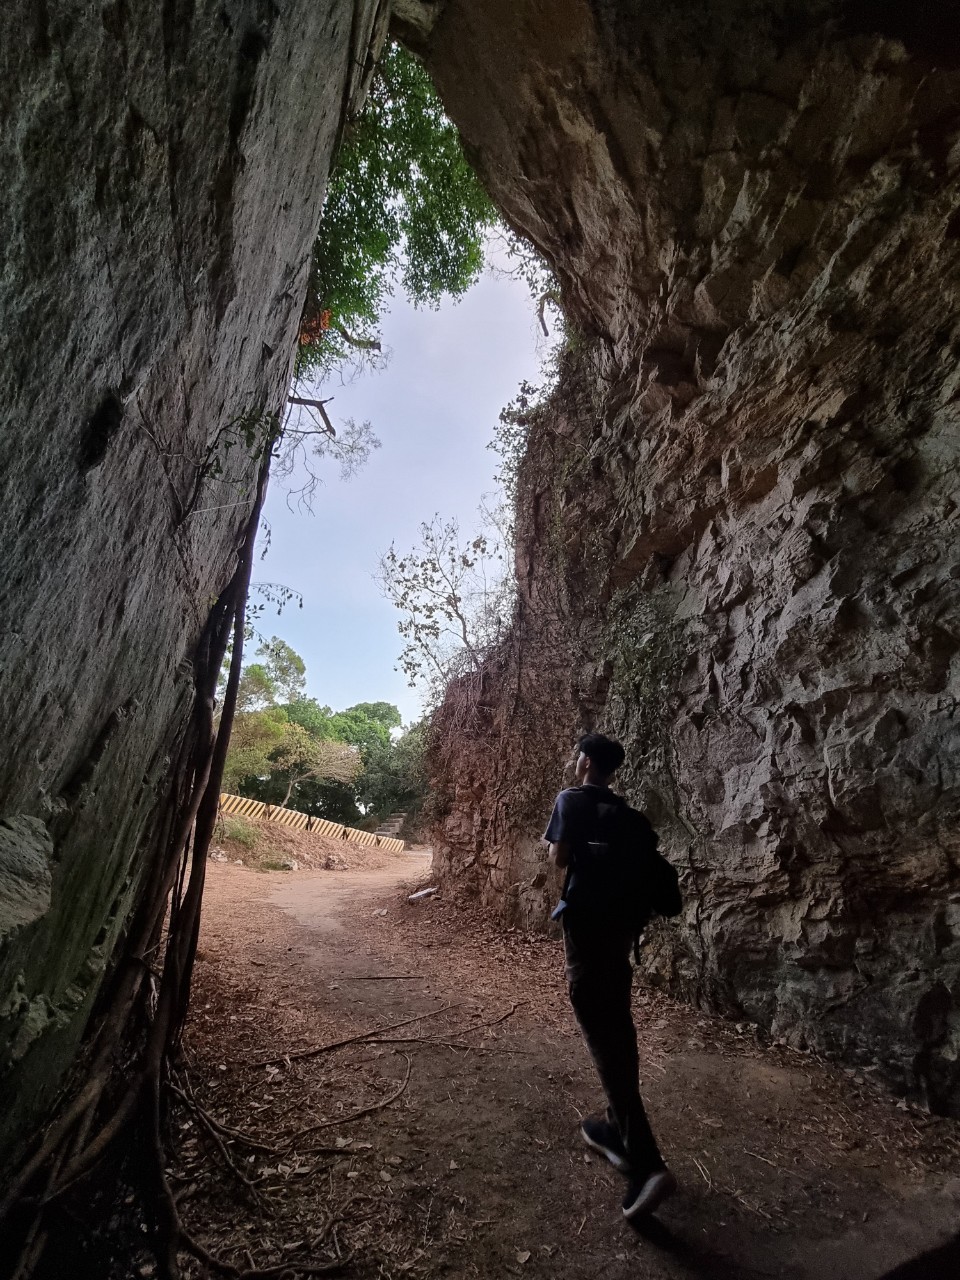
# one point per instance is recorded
(403, 205)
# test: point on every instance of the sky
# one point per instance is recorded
(434, 408)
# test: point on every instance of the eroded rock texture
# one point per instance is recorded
(739, 513)
(163, 169)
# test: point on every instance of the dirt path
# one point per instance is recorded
(788, 1167)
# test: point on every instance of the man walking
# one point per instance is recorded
(615, 880)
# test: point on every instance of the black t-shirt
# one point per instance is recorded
(575, 813)
(615, 875)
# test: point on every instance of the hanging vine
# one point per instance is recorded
(135, 1037)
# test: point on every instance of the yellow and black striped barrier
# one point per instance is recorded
(243, 807)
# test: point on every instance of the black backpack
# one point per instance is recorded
(616, 878)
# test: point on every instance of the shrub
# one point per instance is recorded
(240, 830)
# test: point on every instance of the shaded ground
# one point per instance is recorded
(788, 1167)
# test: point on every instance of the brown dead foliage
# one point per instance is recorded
(310, 851)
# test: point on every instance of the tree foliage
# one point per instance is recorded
(256, 734)
(306, 443)
(403, 205)
(285, 669)
(256, 689)
(301, 758)
(454, 598)
(393, 778)
(289, 750)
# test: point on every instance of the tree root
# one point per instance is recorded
(298, 1055)
(68, 1153)
(354, 1115)
(230, 1164)
(174, 1237)
(225, 1130)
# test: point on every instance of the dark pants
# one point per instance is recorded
(599, 978)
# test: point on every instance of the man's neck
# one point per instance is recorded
(594, 780)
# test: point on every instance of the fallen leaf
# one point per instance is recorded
(523, 1255)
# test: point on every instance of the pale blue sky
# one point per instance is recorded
(434, 408)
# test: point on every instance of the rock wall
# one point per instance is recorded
(738, 515)
(164, 167)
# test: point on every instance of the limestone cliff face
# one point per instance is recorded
(163, 169)
(739, 511)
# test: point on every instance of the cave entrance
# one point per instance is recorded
(752, 179)
(327, 660)
(425, 317)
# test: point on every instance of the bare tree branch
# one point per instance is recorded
(362, 344)
(307, 403)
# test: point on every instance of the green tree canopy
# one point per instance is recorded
(284, 668)
(403, 204)
(256, 734)
(359, 729)
(383, 712)
(392, 777)
(308, 713)
(256, 690)
(301, 754)
(299, 757)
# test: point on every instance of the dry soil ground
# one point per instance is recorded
(448, 1145)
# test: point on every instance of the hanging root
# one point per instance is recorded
(89, 1126)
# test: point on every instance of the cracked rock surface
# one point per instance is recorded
(163, 171)
(738, 520)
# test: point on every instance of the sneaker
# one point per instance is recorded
(604, 1137)
(645, 1195)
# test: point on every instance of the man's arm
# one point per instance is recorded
(558, 833)
(559, 853)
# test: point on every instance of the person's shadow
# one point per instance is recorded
(942, 1263)
(935, 1264)
(693, 1258)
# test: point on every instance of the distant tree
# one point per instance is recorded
(315, 719)
(454, 599)
(357, 726)
(284, 667)
(384, 713)
(259, 724)
(255, 735)
(392, 779)
(334, 801)
(302, 755)
(256, 689)
(299, 757)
